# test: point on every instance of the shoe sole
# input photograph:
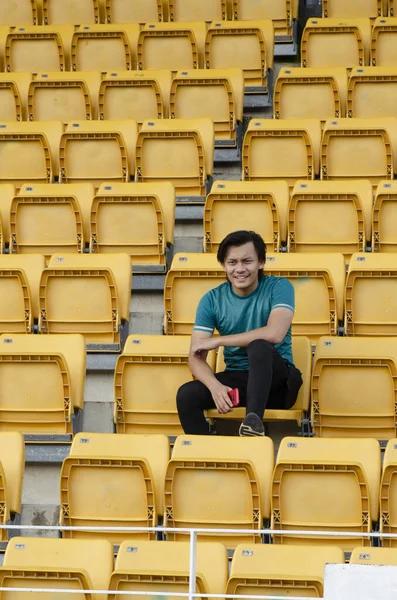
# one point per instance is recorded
(247, 431)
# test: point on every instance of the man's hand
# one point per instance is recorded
(220, 397)
(205, 345)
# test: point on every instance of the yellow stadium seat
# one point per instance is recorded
(348, 374)
(29, 151)
(55, 563)
(384, 235)
(310, 478)
(135, 11)
(7, 193)
(345, 9)
(138, 95)
(359, 148)
(246, 45)
(197, 10)
(372, 92)
(87, 294)
(281, 571)
(383, 42)
(282, 13)
(191, 275)
(318, 280)
(310, 93)
(64, 96)
(217, 94)
(14, 96)
(330, 216)
(281, 149)
(373, 556)
(336, 43)
(38, 48)
(302, 353)
(104, 47)
(392, 8)
(136, 218)
(147, 377)
(63, 12)
(177, 150)
(116, 481)
(50, 218)
(164, 567)
(172, 46)
(388, 520)
(42, 384)
(370, 299)
(98, 151)
(19, 292)
(217, 482)
(255, 206)
(21, 12)
(12, 464)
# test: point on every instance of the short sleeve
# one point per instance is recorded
(205, 317)
(283, 295)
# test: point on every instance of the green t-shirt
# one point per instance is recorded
(229, 314)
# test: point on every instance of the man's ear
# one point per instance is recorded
(261, 265)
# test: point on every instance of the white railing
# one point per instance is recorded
(191, 594)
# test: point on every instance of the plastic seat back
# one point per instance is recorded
(196, 10)
(38, 48)
(330, 216)
(228, 467)
(281, 149)
(63, 12)
(370, 367)
(336, 43)
(50, 218)
(87, 294)
(138, 95)
(311, 474)
(14, 96)
(371, 92)
(310, 93)
(137, 218)
(124, 474)
(370, 306)
(137, 11)
(255, 206)
(19, 292)
(383, 42)
(384, 237)
(147, 377)
(21, 12)
(104, 47)
(41, 383)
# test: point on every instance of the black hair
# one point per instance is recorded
(239, 238)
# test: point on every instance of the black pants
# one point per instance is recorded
(269, 383)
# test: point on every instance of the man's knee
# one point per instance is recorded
(259, 349)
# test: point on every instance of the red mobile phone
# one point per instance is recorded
(234, 397)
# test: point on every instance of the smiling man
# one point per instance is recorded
(253, 314)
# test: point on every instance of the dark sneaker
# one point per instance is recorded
(252, 426)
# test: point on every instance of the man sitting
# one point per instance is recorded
(253, 314)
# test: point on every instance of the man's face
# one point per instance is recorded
(241, 266)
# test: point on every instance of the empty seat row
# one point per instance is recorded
(217, 94)
(177, 150)
(134, 482)
(58, 12)
(364, 300)
(327, 93)
(174, 46)
(138, 218)
(347, 375)
(86, 294)
(318, 216)
(133, 218)
(294, 149)
(349, 42)
(164, 566)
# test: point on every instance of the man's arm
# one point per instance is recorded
(274, 332)
(202, 371)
